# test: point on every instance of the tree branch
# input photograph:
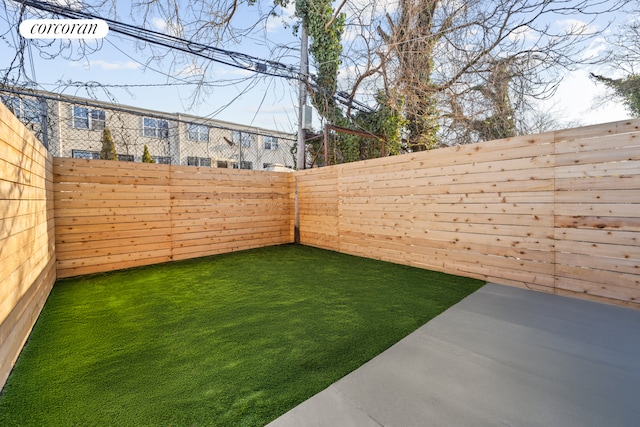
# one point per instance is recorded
(335, 16)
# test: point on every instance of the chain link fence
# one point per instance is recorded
(75, 127)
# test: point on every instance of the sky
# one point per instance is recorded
(267, 102)
(261, 101)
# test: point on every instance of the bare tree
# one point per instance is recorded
(213, 23)
(14, 71)
(466, 70)
(623, 53)
(461, 71)
(539, 120)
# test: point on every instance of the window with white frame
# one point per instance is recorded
(26, 110)
(85, 154)
(155, 128)
(162, 160)
(198, 132)
(243, 165)
(84, 118)
(80, 118)
(244, 138)
(270, 142)
(198, 161)
(98, 119)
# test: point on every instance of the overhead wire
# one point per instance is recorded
(223, 56)
(227, 57)
(180, 79)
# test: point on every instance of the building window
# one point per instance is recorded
(98, 119)
(162, 160)
(243, 165)
(243, 138)
(80, 118)
(222, 164)
(198, 132)
(125, 157)
(26, 110)
(83, 118)
(198, 161)
(155, 128)
(84, 154)
(270, 142)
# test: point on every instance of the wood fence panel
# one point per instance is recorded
(96, 200)
(557, 212)
(318, 207)
(117, 215)
(465, 210)
(27, 243)
(597, 213)
(218, 210)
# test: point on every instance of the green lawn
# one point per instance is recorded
(229, 340)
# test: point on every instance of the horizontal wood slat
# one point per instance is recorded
(27, 243)
(598, 213)
(541, 212)
(116, 215)
(556, 212)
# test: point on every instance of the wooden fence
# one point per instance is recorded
(597, 212)
(27, 251)
(113, 215)
(556, 212)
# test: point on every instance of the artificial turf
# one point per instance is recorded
(228, 340)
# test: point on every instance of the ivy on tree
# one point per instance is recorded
(326, 48)
(325, 28)
(627, 89)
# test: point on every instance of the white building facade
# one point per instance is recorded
(73, 127)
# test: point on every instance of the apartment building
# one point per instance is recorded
(73, 127)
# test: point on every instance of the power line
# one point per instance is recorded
(233, 59)
(91, 84)
(227, 57)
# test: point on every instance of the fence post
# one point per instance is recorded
(44, 122)
(178, 139)
(326, 144)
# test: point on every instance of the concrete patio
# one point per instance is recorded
(502, 356)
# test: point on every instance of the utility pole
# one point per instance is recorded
(302, 98)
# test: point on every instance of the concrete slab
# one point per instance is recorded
(502, 356)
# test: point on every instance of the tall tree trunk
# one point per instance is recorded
(415, 41)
